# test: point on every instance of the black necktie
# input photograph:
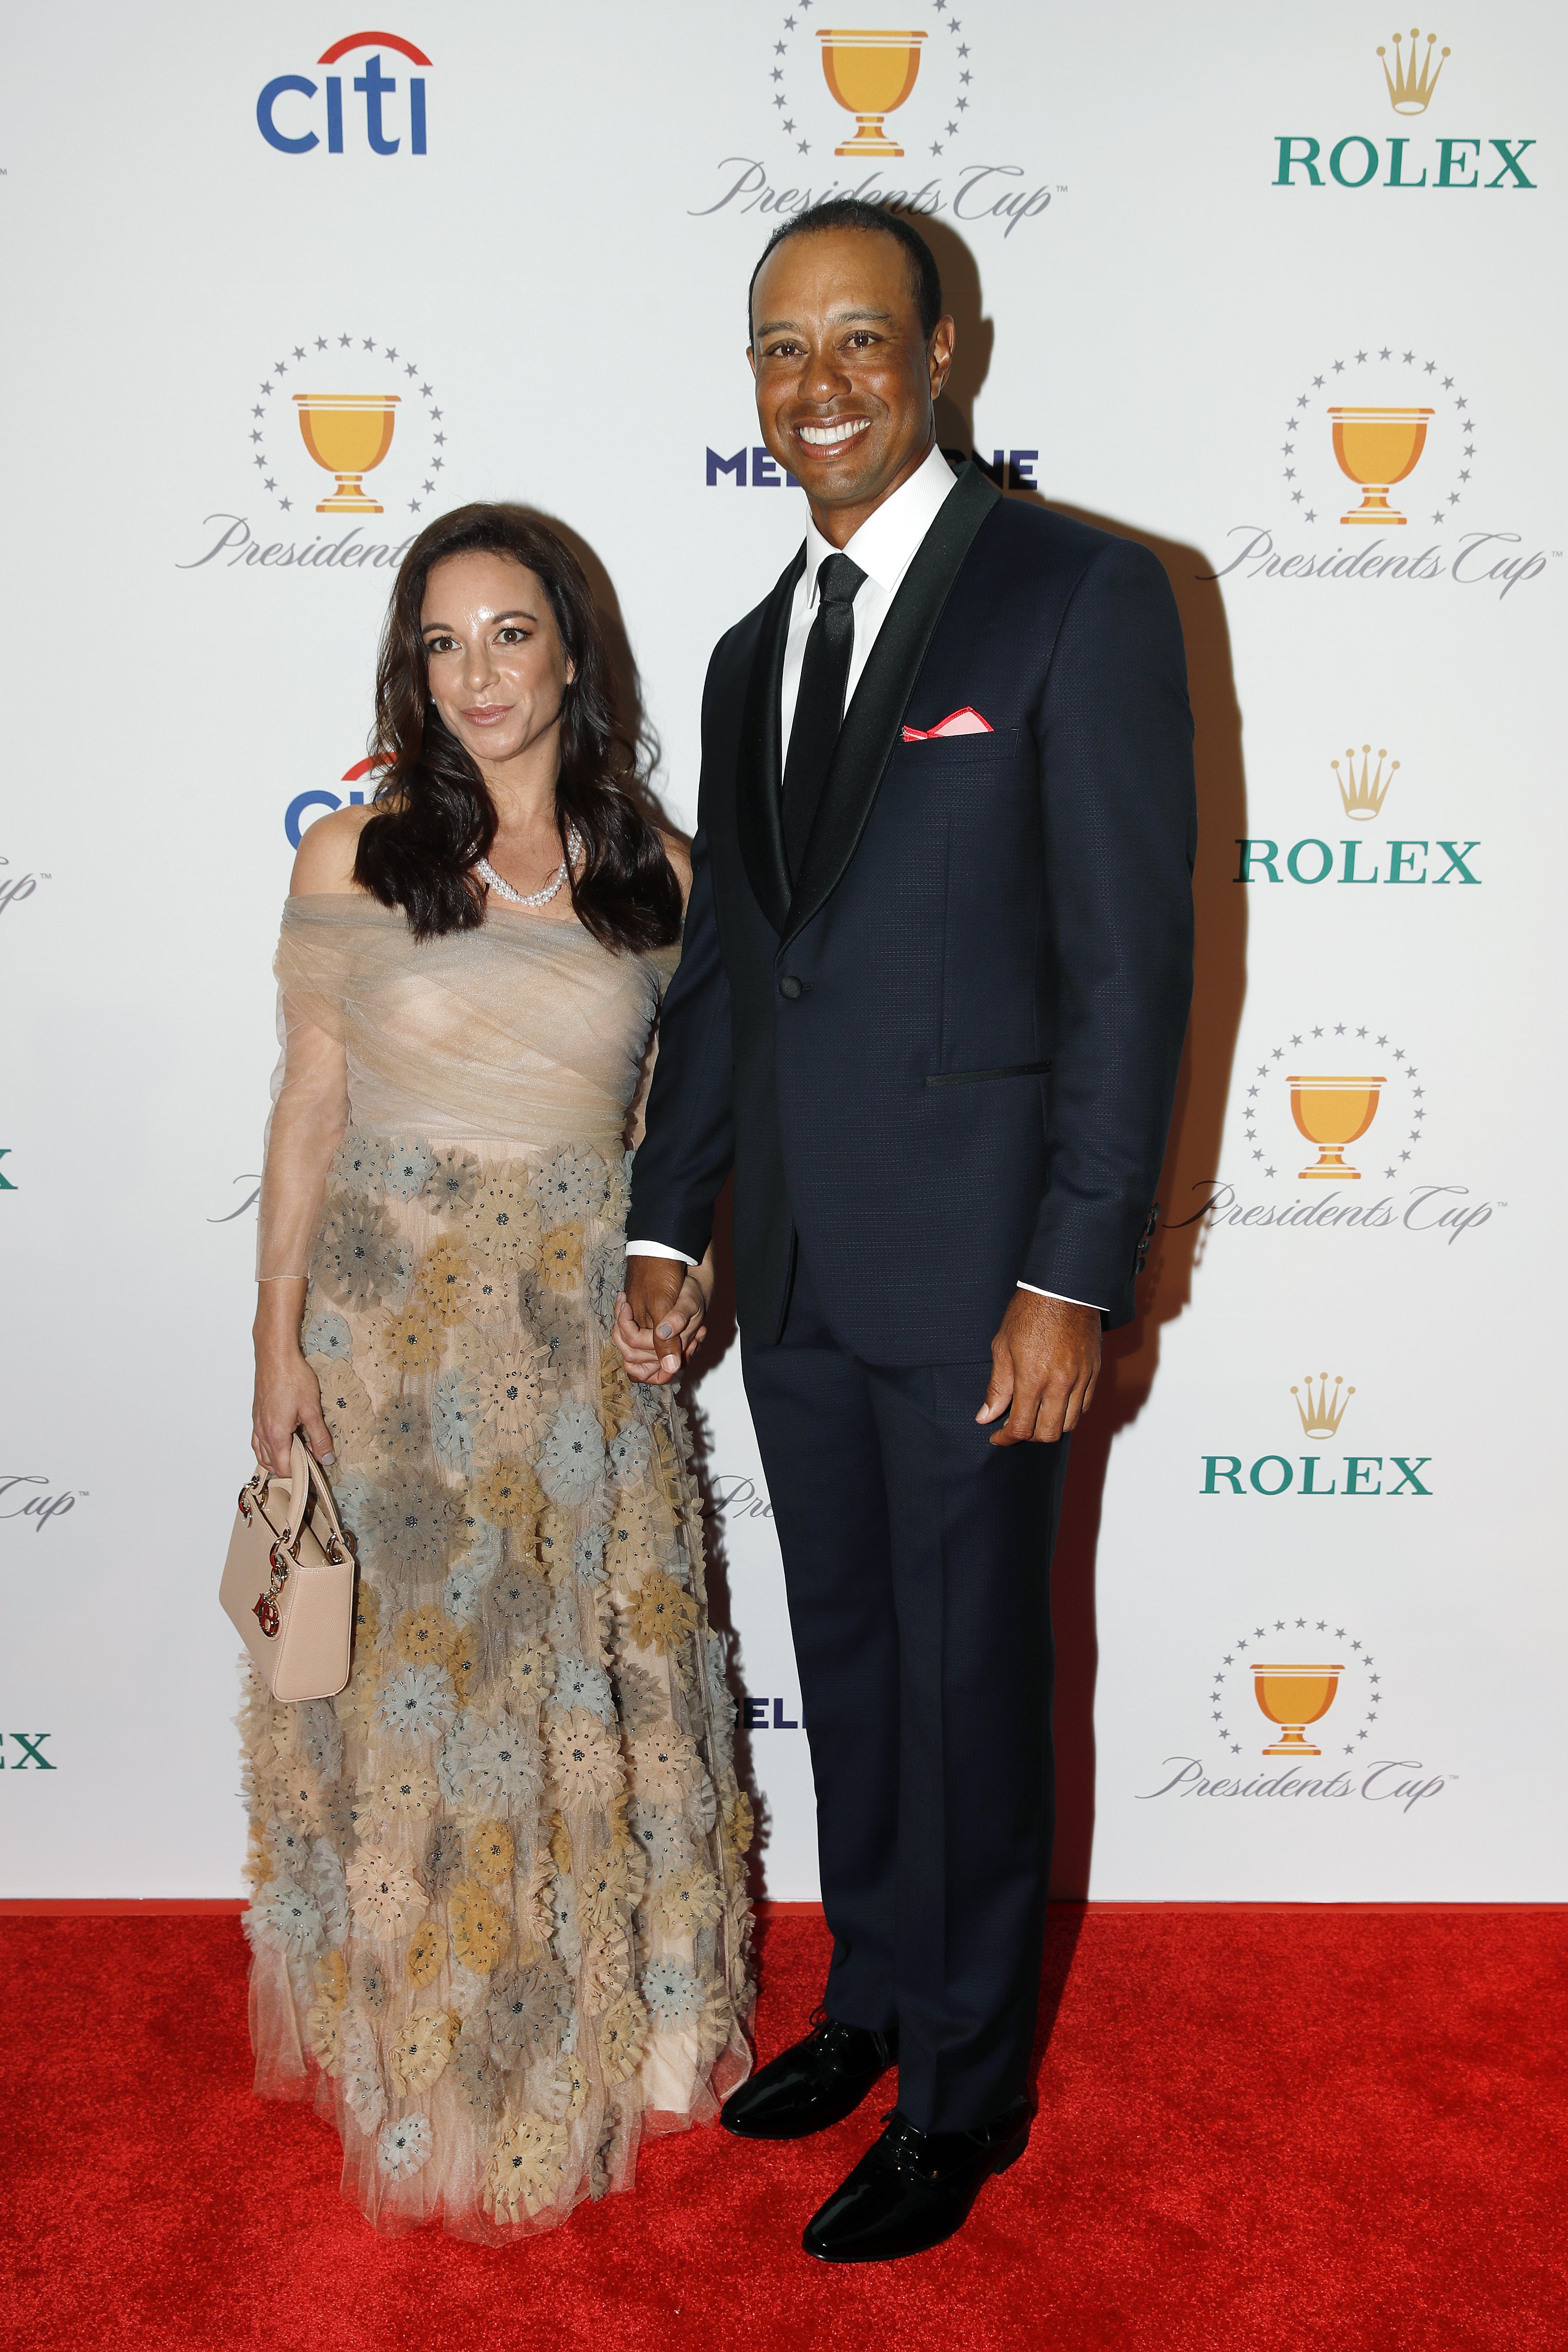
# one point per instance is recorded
(819, 707)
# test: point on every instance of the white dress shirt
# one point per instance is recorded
(884, 547)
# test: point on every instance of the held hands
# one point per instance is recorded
(1045, 1362)
(661, 1318)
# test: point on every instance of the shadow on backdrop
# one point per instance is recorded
(1131, 1354)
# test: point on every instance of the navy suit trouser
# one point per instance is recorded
(917, 1562)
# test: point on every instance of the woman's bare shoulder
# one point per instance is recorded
(325, 863)
(678, 849)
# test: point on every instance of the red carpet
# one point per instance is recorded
(1258, 2129)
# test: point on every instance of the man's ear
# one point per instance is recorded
(750, 359)
(938, 351)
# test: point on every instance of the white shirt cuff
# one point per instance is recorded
(658, 1249)
(1022, 1285)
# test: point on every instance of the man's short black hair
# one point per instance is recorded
(851, 212)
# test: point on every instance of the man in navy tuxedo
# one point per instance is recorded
(930, 1003)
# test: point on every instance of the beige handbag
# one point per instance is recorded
(289, 1580)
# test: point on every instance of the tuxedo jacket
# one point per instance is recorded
(942, 1061)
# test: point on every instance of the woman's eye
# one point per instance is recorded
(440, 644)
(511, 636)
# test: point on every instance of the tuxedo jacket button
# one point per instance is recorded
(791, 987)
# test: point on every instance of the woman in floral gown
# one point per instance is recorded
(499, 1920)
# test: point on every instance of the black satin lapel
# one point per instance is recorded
(759, 815)
(876, 711)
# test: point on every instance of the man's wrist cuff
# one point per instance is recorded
(1063, 1296)
(659, 1249)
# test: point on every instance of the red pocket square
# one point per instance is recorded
(966, 721)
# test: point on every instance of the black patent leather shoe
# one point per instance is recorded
(913, 2188)
(814, 2084)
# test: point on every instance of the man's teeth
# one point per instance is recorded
(824, 437)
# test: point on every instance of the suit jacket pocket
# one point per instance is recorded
(971, 757)
(977, 1077)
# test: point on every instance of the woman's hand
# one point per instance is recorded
(288, 1397)
(653, 1357)
(288, 1393)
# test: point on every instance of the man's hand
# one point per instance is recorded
(659, 1321)
(1045, 1362)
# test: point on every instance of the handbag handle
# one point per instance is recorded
(305, 1474)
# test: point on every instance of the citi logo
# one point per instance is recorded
(296, 815)
(285, 114)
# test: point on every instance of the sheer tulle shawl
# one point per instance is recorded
(525, 1033)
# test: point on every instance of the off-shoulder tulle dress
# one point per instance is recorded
(498, 1918)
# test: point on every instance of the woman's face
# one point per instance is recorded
(498, 668)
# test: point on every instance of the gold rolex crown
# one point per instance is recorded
(1415, 77)
(1321, 1415)
(1363, 794)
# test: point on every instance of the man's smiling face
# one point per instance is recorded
(846, 379)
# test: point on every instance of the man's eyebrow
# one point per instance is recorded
(838, 318)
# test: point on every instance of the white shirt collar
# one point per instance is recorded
(886, 541)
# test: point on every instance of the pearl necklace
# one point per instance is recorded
(503, 890)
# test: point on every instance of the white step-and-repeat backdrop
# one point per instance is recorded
(1269, 289)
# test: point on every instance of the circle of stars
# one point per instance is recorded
(297, 361)
(945, 10)
(1271, 1070)
(1261, 1637)
(1428, 390)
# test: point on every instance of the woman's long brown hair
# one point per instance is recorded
(434, 813)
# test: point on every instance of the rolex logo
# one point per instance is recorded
(1364, 795)
(1321, 1415)
(1414, 78)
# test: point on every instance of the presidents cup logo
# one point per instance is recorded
(342, 426)
(1377, 443)
(34, 1498)
(1320, 1695)
(897, 97)
(1363, 782)
(1357, 160)
(1333, 1108)
(1375, 480)
(1263, 1670)
(1332, 1121)
(1317, 1472)
(14, 887)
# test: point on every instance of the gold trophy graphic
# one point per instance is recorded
(1292, 1698)
(871, 74)
(1377, 447)
(1333, 1112)
(348, 433)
